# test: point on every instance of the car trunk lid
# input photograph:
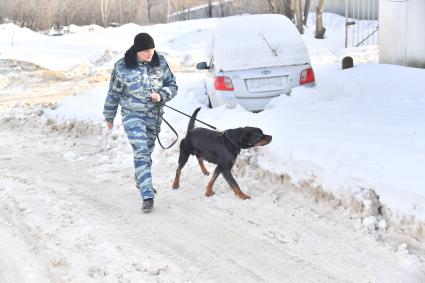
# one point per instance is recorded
(264, 82)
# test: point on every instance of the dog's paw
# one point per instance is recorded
(244, 196)
(209, 193)
(175, 186)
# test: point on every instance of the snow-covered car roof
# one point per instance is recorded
(255, 41)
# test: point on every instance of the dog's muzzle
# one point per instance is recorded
(265, 139)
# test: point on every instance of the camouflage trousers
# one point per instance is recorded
(140, 129)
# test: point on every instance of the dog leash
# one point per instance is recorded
(169, 125)
(212, 127)
(226, 135)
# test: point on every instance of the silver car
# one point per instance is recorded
(255, 58)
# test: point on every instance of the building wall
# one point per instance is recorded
(401, 32)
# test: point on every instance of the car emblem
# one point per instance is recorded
(265, 72)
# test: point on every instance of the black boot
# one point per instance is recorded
(147, 205)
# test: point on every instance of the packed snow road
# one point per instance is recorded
(69, 212)
(25, 82)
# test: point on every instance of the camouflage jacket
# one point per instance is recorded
(132, 82)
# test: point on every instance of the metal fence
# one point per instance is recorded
(361, 22)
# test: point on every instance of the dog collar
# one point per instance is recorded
(226, 135)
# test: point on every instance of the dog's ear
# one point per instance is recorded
(246, 138)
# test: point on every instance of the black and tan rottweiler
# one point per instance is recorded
(220, 148)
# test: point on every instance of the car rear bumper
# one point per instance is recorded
(249, 103)
(254, 104)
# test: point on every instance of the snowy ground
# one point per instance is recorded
(337, 196)
(80, 221)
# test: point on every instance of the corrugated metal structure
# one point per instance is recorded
(401, 34)
(358, 9)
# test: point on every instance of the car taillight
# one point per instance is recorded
(223, 83)
(307, 76)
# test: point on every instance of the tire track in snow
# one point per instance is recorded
(19, 264)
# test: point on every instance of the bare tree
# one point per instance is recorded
(221, 4)
(180, 6)
(298, 16)
(105, 10)
(120, 10)
(67, 12)
(306, 10)
(149, 5)
(271, 6)
(3, 13)
(286, 9)
(320, 29)
(43, 14)
(237, 6)
(130, 11)
(210, 7)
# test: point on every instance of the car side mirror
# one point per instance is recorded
(202, 66)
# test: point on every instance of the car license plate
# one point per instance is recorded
(266, 84)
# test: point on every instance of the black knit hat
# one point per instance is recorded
(143, 41)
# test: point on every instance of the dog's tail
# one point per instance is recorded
(192, 119)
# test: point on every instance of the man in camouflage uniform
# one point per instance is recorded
(140, 81)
